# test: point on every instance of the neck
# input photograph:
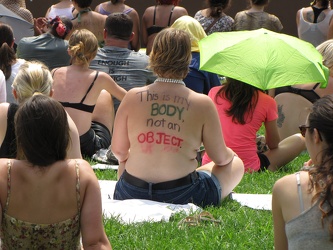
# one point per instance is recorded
(109, 41)
(257, 8)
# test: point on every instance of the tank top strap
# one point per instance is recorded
(169, 22)
(9, 168)
(315, 86)
(91, 85)
(78, 196)
(154, 15)
(299, 191)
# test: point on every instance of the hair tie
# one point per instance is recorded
(36, 92)
(61, 29)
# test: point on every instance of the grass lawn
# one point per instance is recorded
(241, 227)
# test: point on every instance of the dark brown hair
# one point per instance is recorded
(217, 6)
(42, 131)
(119, 26)
(321, 118)
(7, 53)
(243, 98)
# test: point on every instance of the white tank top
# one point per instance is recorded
(314, 33)
(67, 12)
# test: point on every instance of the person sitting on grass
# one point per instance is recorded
(32, 77)
(48, 201)
(302, 203)
(243, 109)
(159, 128)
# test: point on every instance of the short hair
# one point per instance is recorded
(42, 131)
(260, 2)
(326, 50)
(33, 76)
(83, 3)
(171, 53)
(7, 53)
(83, 46)
(119, 26)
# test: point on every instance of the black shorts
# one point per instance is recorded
(264, 161)
(97, 137)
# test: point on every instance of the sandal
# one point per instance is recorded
(197, 219)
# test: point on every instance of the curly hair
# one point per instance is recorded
(83, 46)
(243, 98)
(171, 54)
(217, 6)
(321, 176)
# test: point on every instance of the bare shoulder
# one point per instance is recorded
(181, 10)
(284, 184)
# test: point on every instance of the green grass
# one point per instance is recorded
(241, 227)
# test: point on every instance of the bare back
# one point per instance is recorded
(162, 16)
(165, 124)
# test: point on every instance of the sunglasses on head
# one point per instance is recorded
(302, 129)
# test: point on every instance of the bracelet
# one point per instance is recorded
(229, 161)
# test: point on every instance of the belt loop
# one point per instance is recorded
(150, 189)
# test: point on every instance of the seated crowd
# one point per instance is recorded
(80, 87)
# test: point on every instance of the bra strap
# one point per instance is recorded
(169, 22)
(9, 167)
(78, 196)
(299, 191)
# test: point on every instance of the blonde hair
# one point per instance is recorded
(83, 46)
(171, 54)
(32, 77)
(326, 50)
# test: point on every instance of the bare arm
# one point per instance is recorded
(74, 149)
(92, 230)
(97, 8)
(280, 238)
(213, 139)
(135, 43)
(298, 14)
(330, 30)
(120, 144)
(272, 134)
(111, 86)
(144, 33)
(3, 118)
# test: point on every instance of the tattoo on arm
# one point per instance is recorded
(281, 116)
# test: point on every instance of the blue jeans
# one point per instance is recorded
(203, 191)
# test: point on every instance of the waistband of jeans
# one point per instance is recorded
(188, 179)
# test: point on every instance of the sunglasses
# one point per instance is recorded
(302, 129)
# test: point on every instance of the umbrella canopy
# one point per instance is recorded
(21, 27)
(262, 58)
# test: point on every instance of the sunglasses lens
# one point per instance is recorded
(302, 130)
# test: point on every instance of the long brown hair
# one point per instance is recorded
(243, 98)
(321, 176)
(7, 53)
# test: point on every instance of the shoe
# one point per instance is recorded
(105, 156)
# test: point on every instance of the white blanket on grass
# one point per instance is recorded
(136, 210)
(255, 201)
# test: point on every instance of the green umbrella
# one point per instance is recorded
(262, 58)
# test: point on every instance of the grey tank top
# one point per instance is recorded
(306, 231)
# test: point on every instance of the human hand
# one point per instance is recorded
(40, 25)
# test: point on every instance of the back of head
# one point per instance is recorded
(259, 2)
(119, 26)
(326, 50)
(83, 46)
(217, 7)
(193, 28)
(61, 27)
(171, 54)
(168, 2)
(42, 131)
(323, 3)
(32, 77)
(7, 53)
(243, 98)
(83, 3)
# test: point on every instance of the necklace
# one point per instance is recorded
(170, 80)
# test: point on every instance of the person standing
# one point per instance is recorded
(127, 67)
(314, 23)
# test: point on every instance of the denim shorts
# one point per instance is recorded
(204, 191)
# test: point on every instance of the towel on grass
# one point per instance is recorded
(255, 201)
(137, 210)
